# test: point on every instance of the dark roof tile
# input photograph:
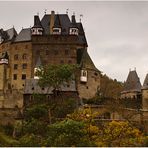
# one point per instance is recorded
(133, 82)
(24, 35)
(145, 84)
(84, 60)
(31, 87)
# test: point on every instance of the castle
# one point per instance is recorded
(55, 39)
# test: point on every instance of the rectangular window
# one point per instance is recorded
(15, 77)
(24, 66)
(55, 52)
(66, 52)
(47, 52)
(23, 76)
(15, 66)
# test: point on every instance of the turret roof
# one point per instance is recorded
(38, 62)
(133, 82)
(4, 55)
(24, 35)
(84, 60)
(37, 22)
(57, 22)
(145, 84)
(32, 86)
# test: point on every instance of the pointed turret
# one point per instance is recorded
(37, 29)
(73, 27)
(133, 82)
(132, 86)
(145, 94)
(86, 63)
(145, 84)
(38, 65)
(4, 58)
(57, 29)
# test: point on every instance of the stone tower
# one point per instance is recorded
(132, 86)
(145, 94)
(54, 39)
(3, 74)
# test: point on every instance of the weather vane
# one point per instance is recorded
(67, 11)
(81, 15)
(45, 11)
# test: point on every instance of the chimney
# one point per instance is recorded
(73, 19)
(52, 21)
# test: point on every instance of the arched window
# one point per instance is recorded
(84, 73)
(16, 57)
(24, 56)
(83, 76)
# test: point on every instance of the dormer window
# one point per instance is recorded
(1, 40)
(36, 73)
(3, 61)
(73, 31)
(57, 31)
(37, 31)
(83, 77)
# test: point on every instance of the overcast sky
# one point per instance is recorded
(116, 32)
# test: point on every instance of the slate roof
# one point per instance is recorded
(84, 60)
(62, 18)
(8, 35)
(132, 83)
(38, 62)
(11, 33)
(37, 22)
(31, 87)
(145, 84)
(57, 22)
(24, 35)
(63, 21)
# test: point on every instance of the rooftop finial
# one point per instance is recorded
(73, 13)
(135, 68)
(45, 11)
(38, 13)
(67, 11)
(81, 15)
(130, 69)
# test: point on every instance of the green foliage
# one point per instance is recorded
(8, 129)
(98, 100)
(31, 140)
(37, 112)
(35, 126)
(55, 75)
(64, 107)
(67, 133)
(7, 141)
